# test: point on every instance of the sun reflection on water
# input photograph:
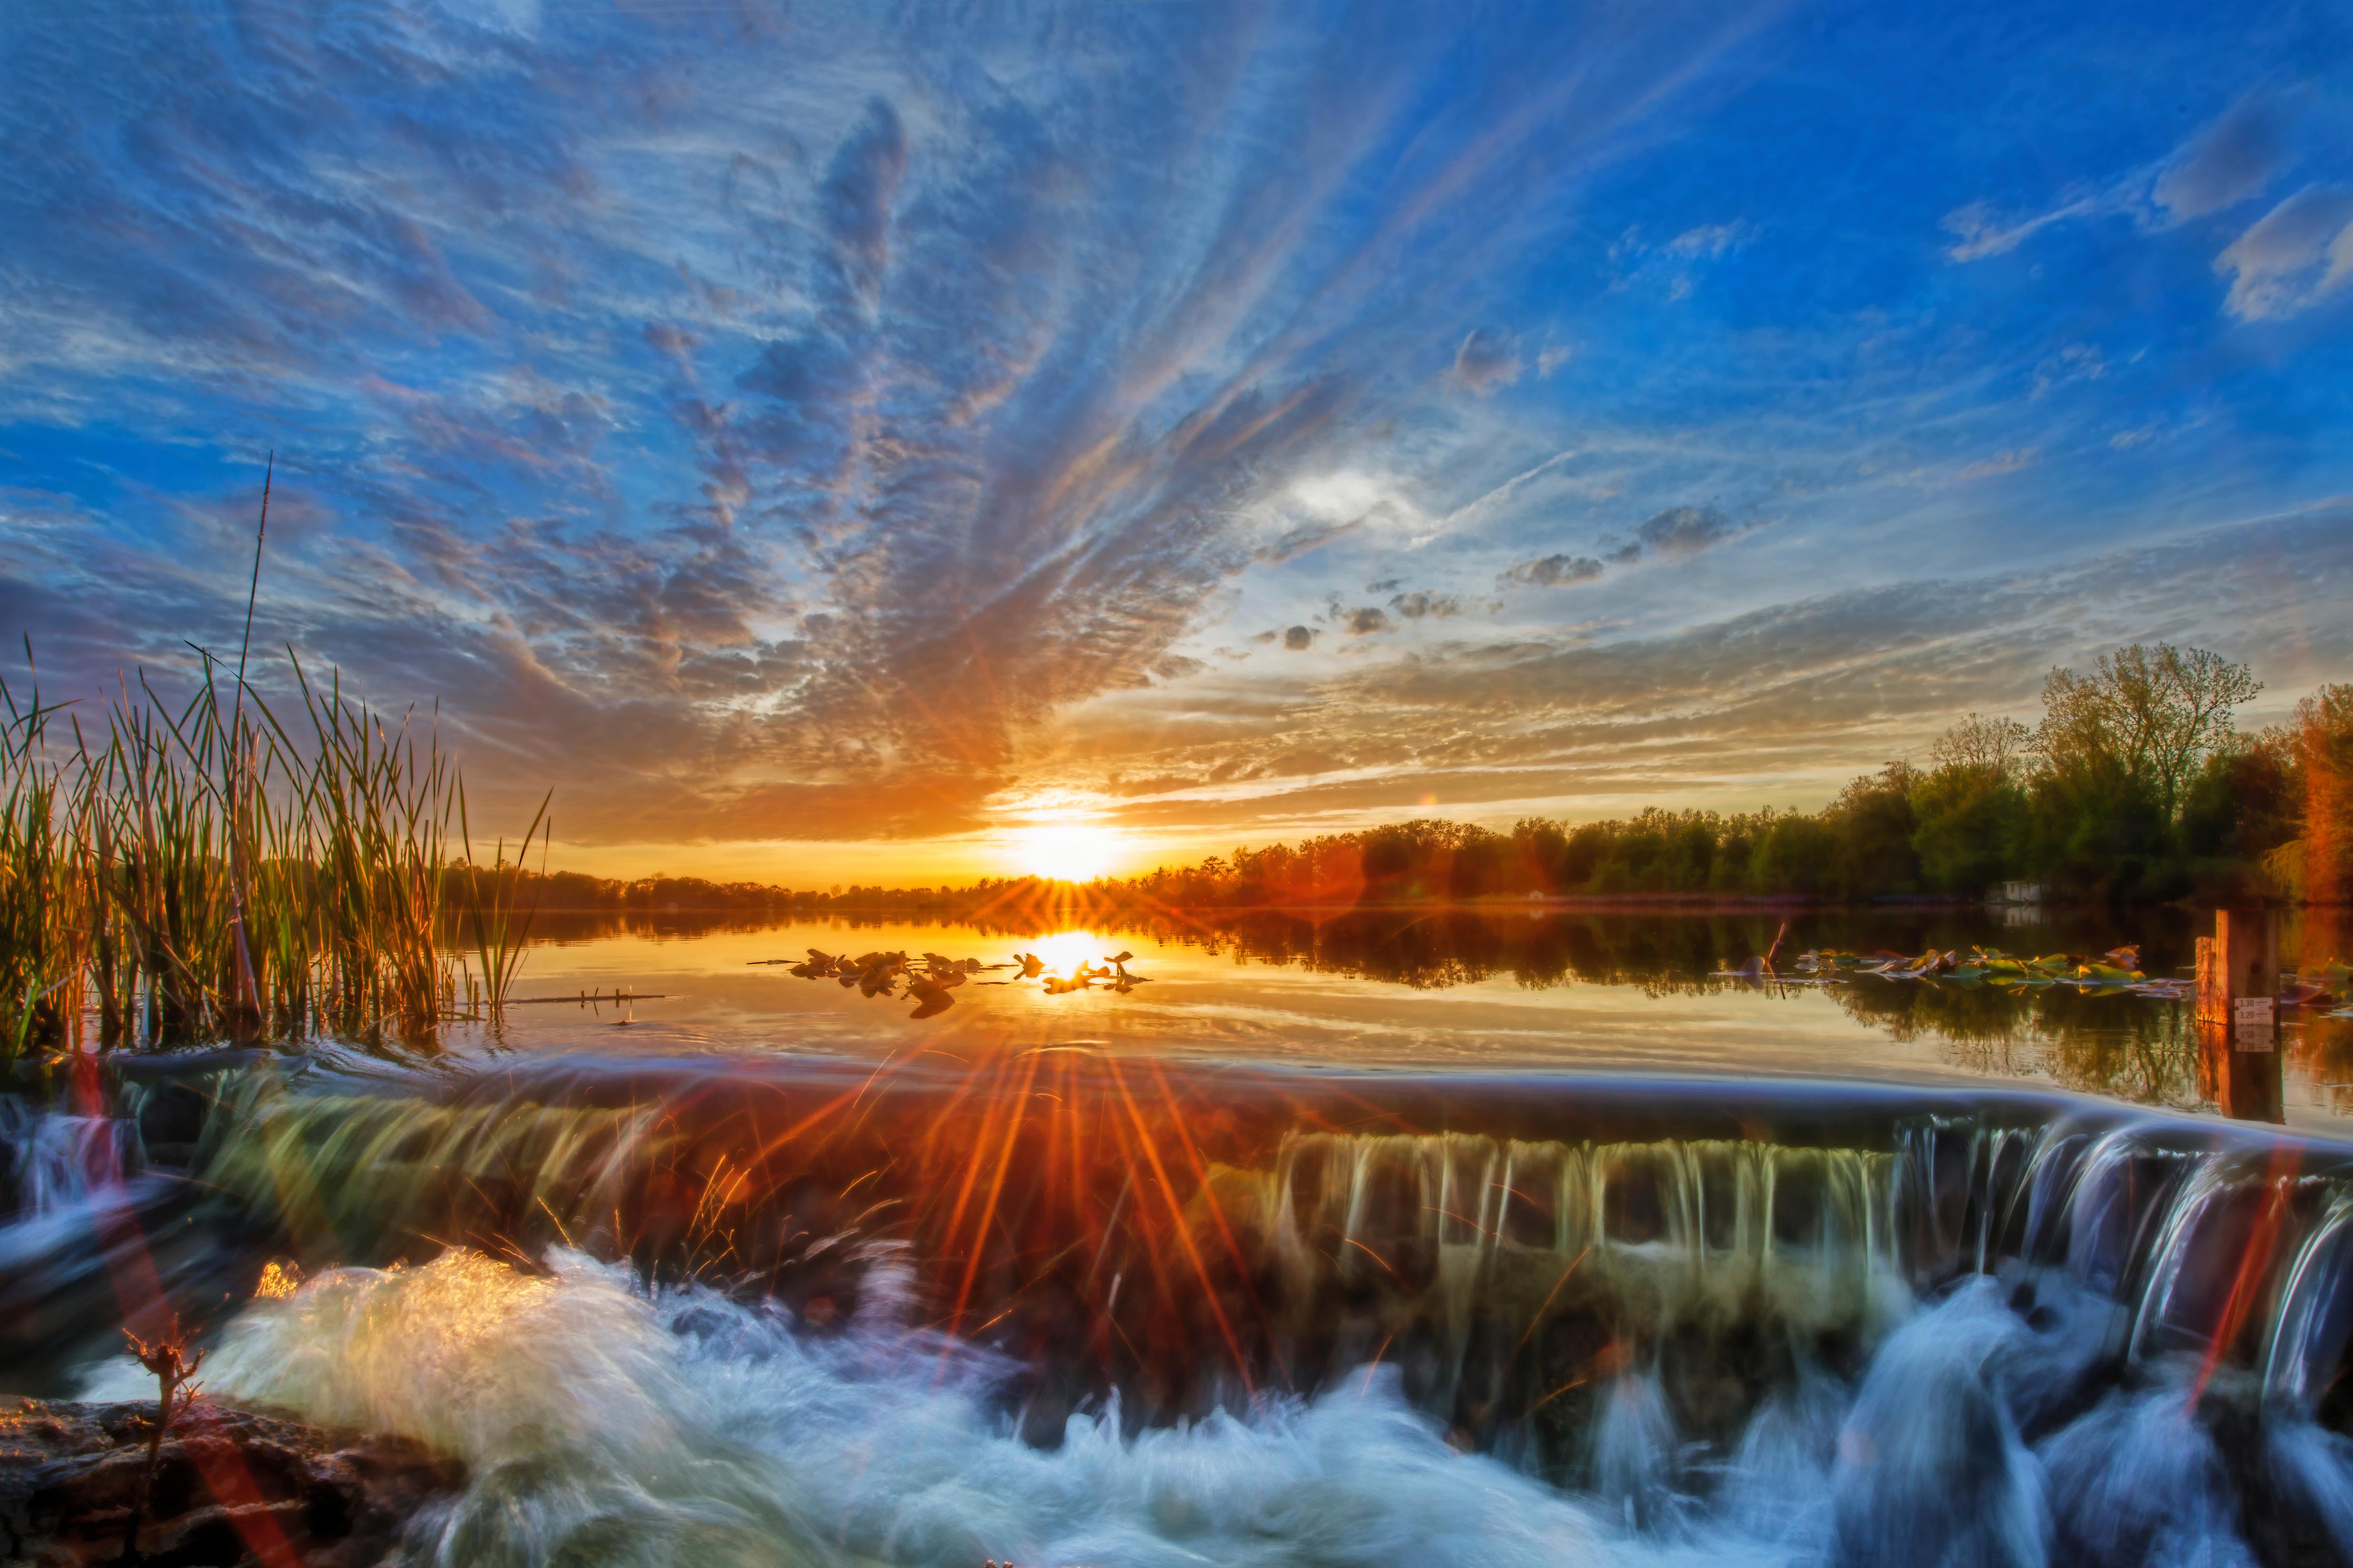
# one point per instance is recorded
(1065, 951)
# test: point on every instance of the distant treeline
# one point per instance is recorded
(1024, 904)
(2136, 786)
(572, 892)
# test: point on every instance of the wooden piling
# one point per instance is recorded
(2237, 1012)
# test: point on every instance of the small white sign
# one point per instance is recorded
(2253, 1023)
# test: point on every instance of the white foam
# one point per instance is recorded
(602, 1425)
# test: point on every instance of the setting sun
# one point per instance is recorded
(1065, 851)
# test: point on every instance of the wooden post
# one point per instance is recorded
(2238, 1015)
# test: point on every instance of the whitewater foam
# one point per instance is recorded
(603, 1425)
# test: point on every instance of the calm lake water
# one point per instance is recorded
(1431, 990)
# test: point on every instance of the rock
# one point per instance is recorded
(231, 1488)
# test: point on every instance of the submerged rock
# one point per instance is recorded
(230, 1488)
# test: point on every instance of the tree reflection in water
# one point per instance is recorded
(2133, 1047)
(1663, 951)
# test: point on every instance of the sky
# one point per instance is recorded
(827, 444)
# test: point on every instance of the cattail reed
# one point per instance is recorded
(189, 873)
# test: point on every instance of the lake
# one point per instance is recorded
(1585, 992)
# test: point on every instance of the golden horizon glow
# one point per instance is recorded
(999, 849)
(1066, 850)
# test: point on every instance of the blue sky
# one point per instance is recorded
(795, 431)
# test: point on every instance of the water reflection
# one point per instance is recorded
(2319, 1052)
(1662, 953)
(1609, 989)
(2133, 1047)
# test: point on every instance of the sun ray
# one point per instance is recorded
(1182, 1231)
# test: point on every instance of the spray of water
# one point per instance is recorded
(604, 1425)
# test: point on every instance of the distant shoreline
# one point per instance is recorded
(1549, 904)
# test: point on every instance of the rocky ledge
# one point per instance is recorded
(230, 1488)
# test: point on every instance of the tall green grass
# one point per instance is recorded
(187, 872)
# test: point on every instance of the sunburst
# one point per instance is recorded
(1065, 850)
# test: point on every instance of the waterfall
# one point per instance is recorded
(1187, 1259)
(49, 1159)
(1803, 1325)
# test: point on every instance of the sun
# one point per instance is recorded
(1065, 851)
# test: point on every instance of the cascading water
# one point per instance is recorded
(65, 1180)
(1067, 1308)
(49, 1159)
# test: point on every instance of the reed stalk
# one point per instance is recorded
(203, 871)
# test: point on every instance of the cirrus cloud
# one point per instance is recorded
(2292, 256)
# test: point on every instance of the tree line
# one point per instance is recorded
(576, 892)
(1014, 904)
(2136, 786)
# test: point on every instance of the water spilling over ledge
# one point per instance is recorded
(1858, 1321)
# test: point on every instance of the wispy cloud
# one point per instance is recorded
(1709, 240)
(1483, 362)
(2224, 164)
(1557, 570)
(2293, 256)
(2287, 260)
(1685, 531)
(1978, 229)
(2008, 461)
(2074, 362)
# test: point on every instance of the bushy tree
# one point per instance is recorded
(1870, 825)
(2246, 801)
(1793, 855)
(1970, 805)
(2118, 752)
(2324, 744)
(1986, 745)
(2144, 719)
